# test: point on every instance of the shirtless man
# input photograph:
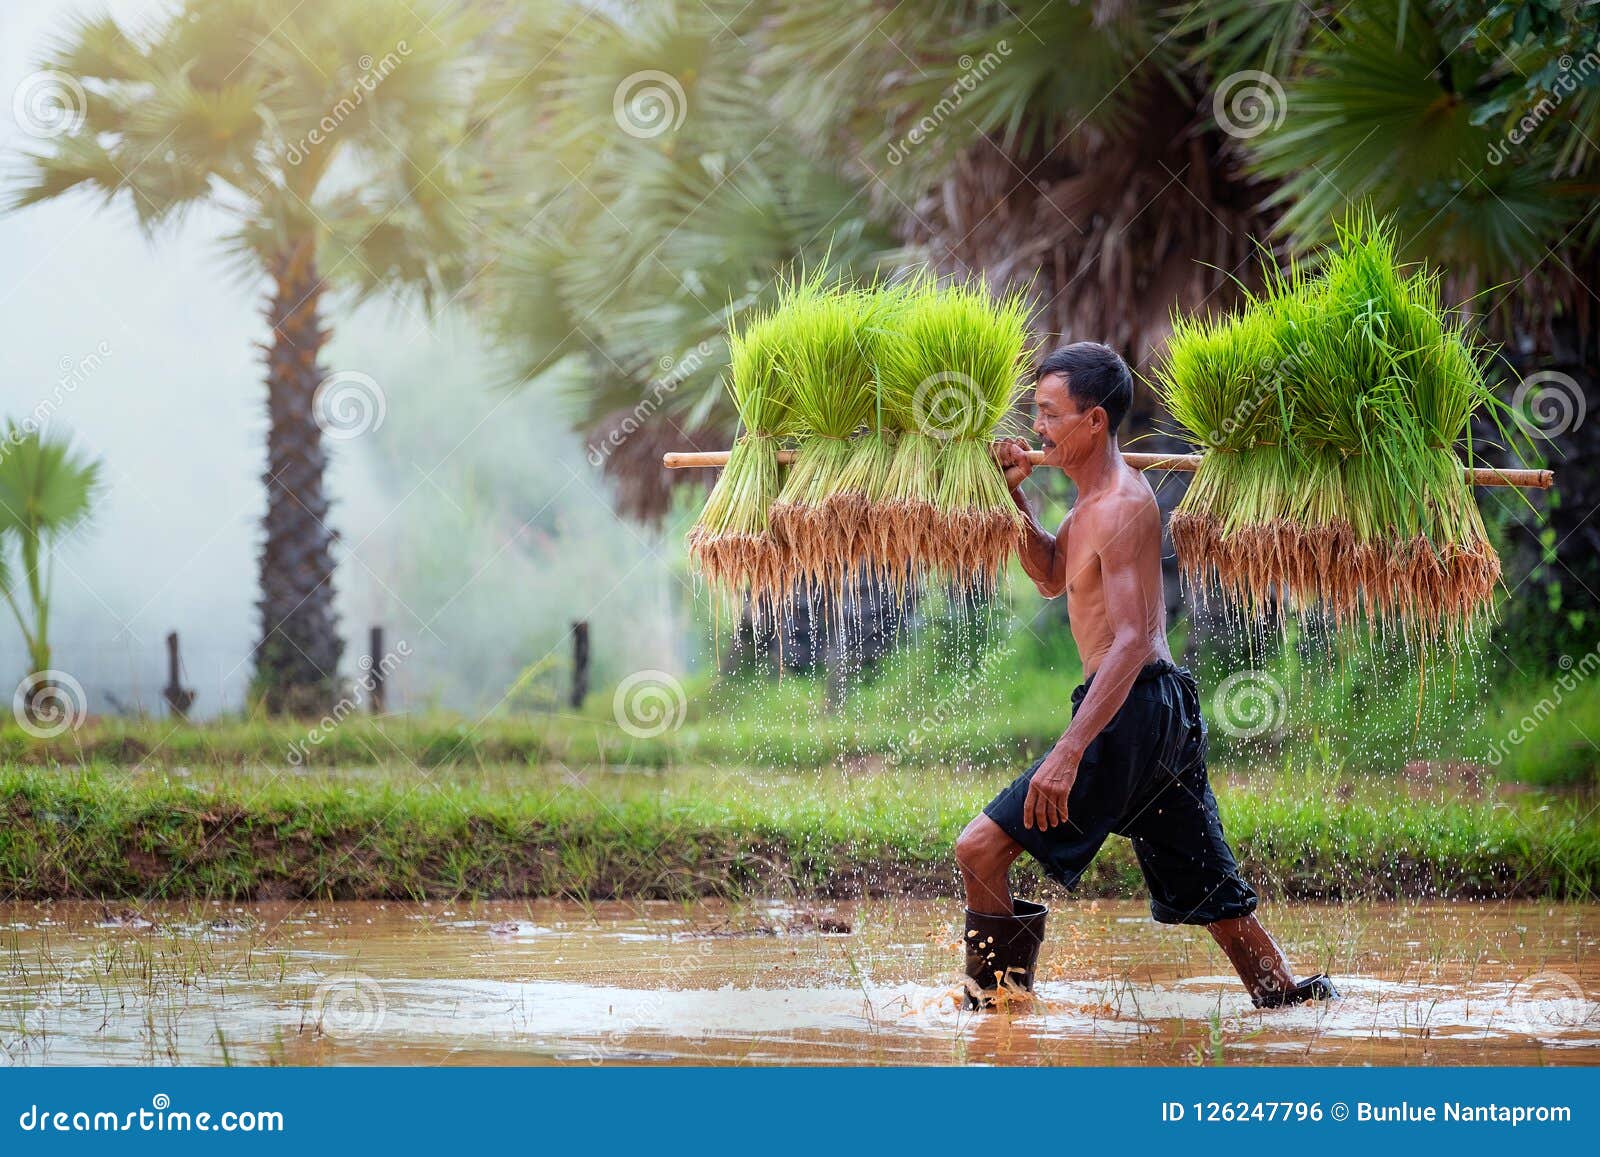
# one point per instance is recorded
(1132, 762)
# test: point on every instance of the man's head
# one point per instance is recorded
(1081, 392)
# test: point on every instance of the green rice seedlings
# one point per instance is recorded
(829, 375)
(855, 509)
(949, 371)
(1330, 411)
(906, 515)
(732, 543)
(1232, 412)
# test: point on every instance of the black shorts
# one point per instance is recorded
(1144, 777)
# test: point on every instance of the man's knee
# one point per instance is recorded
(984, 849)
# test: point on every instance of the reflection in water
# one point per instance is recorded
(872, 982)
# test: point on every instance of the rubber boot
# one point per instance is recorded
(1002, 947)
(1318, 987)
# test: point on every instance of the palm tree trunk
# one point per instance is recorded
(297, 660)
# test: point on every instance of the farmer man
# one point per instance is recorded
(1132, 762)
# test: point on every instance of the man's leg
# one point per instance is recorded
(1255, 956)
(1002, 935)
(985, 854)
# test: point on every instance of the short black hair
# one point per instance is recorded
(1095, 375)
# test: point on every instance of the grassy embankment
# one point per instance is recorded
(388, 832)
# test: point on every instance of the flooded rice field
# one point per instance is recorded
(775, 983)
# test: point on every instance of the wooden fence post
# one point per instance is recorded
(179, 698)
(580, 662)
(376, 702)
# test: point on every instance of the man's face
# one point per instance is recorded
(1066, 434)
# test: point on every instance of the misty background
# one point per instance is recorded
(472, 525)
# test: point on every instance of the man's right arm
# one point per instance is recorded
(1043, 555)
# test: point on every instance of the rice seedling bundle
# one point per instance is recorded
(948, 372)
(857, 506)
(893, 394)
(1330, 412)
(829, 374)
(732, 543)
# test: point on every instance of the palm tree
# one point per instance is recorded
(46, 491)
(329, 134)
(1124, 157)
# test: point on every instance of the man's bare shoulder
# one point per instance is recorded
(1123, 514)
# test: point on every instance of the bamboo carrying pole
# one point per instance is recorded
(1480, 476)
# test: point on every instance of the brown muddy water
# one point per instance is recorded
(773, 983)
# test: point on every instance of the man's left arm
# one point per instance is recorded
(1129, 614)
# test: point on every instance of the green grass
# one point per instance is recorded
(953, 701)
(496, 832)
